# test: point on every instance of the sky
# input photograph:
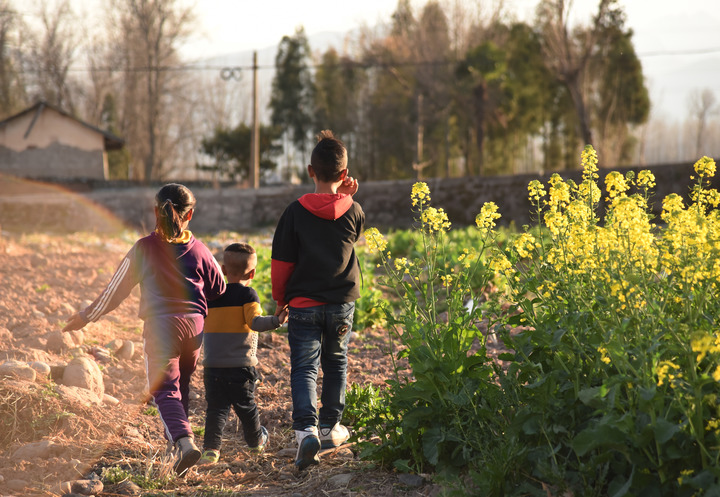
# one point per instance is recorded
(678, 42)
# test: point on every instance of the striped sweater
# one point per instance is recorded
(230, 338)
(175, 278)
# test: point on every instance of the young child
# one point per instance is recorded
(230, 345)
(177, 275)
(315, 272)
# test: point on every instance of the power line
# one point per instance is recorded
(234, 72)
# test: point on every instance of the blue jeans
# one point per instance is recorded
(319, 336)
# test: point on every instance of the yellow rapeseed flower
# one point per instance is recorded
(589, 163)
(402, 264)
(589, 190)
(559, 191)
(645, 180)
(536, 191)
(435, 219)
(716, 374)
(524, 245)
(375, 240)
(467, 257)
(712, 197)
(420, 193)
(671, 206)
(701, 345)
(666, 371)
(705, 167)
(604, 355)
(683, 474)
(485, 221)
(500, 264)
(556, 222)
(615, 184)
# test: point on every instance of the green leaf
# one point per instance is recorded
(588, 395)
(664, 430)
(531, 426)
(622, 491)
(403, 465)
(647, 393)
(603, 435)
(431, 444)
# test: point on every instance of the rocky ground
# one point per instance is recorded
(73, 406)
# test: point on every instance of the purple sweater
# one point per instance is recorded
(174, 278)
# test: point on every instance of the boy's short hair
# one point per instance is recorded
(329, 157)
(236, 258)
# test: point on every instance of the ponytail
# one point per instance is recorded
(173, 202)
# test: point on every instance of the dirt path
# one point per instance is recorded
(44, 278)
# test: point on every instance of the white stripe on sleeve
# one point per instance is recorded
(108, 293)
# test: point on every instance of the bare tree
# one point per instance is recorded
(150, 34)
(703, 104)
(567, 53)
(53, 53)
(12, 88)
(102, 81)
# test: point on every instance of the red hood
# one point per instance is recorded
(327, 205)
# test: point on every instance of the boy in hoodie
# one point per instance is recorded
(316, 273)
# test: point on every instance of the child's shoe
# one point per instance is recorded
(308, 447)
(264, 437)
(187, 455)
(210, 456)
(333, 436)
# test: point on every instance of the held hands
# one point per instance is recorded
(75, 322)
(282, 314)
(349, 186)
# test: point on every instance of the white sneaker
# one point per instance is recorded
(333, 436)
(308, 447)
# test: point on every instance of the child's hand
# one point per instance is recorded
(283, 316)
(282, 313)
(75, 322)
(349, 186)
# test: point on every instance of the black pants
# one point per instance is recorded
(226, 388)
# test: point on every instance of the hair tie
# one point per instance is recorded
(166, 203)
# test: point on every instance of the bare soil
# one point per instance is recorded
(43, 279)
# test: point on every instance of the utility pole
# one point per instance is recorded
(255, 143)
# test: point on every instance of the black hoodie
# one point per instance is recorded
(313, 255)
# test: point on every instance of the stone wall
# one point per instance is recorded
(386, 203)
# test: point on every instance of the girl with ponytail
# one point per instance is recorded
(177, 275)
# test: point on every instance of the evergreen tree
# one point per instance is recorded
(433, 73)
(230, 152)
(291, 102)
(623, 99)
(391, 103)
(338, 82)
